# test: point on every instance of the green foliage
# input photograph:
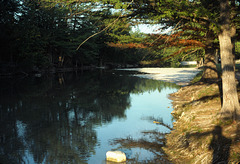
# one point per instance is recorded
(54, 29)
(44, 32)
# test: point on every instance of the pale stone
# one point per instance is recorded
(116, 156)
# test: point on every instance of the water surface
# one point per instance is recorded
(77, 118)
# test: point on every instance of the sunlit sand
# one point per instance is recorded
(180, 76)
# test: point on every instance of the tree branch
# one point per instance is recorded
(104, 28)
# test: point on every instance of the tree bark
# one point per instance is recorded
(210, 69)
(230, 107)
(233, 40)
(210, 73)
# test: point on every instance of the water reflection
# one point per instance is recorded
(55, 119)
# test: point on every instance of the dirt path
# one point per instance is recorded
(180, 76)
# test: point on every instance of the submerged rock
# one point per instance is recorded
(116, 156)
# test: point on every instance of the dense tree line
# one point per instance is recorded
(37, 36)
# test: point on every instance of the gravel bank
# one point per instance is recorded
(180, 76)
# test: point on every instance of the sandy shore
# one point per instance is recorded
(180, 76)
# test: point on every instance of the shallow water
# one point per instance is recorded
(77, 118)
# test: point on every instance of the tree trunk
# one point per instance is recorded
(230, 108)
(210, 69)
(233, 40)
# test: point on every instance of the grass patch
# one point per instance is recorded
(225, 123)
(208, 91)
(197, 78)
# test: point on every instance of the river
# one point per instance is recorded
(78, 117)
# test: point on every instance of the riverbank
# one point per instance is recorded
(198, 135)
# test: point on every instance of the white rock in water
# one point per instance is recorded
(116, 156)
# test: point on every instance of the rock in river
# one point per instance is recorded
(115, 156)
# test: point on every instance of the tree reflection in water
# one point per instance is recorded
(44, 121)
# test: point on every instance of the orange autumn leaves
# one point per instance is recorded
(183, 43)
(159, 41)
(174, 40)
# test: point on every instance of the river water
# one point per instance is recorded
(78, 117)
